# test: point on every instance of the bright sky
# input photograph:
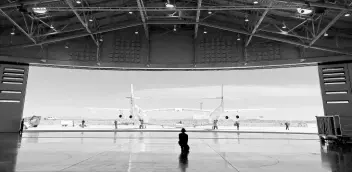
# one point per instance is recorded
(294, 93)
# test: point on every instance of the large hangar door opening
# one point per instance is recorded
(264, 99)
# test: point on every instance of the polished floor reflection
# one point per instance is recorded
(155, 151)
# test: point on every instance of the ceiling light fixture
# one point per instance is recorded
(130, 12)
(136, 32)
(90, 19)
(13, 31)
(255, 2)
(304, 11)
(39, 10)
(209, 12)
(347, 14)
(284, 26)
(283, 32)
(174, 28)
(78, 1)
(326, 34)
(238, 37)
(168, 5)
(246, 20)
(51, 26)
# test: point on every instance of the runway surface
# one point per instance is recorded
(159, 151)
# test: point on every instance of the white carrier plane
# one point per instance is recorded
(137, 113)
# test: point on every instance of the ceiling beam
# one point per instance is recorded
(312, 4)
(276, 39)
(256, 27)
(49, 41)
(85, 25)
(200, 23)
(206, 8)
(297, 26)
(171, 22)
(333, 21)
(25, 2)
(18, 26)
(286, 34)
(199, 5)
(141, 11)
(203, 8)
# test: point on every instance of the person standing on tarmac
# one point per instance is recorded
(287, 124)
(216, 124)
(115, 122)
(237, 122)
(21, 127)
(83, 123)
(141, 125)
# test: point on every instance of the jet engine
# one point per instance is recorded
(178, 109)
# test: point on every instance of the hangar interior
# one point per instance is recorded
(176, 35)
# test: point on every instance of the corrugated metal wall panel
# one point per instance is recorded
(13, 83)
(335, 84)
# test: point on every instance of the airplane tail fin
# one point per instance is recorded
(222, 97)
(132, 94)
(222, 93)
(132, 99)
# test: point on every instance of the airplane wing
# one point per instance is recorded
(177, 110)
(195, 110)
(243, 110)
(159, 110)
(111, 109)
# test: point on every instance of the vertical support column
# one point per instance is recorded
(13, 83)
(335, 82)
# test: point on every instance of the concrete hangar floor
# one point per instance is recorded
(159, 151)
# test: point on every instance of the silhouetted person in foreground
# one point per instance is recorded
(183, 141)
(287, 124)
(21, 127)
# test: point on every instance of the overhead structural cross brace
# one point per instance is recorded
(257, 25)
(333, 21)
(200, 23)
(18, 26)
(85, 25)
(141, 10)
(199, 4)
(277, 39)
